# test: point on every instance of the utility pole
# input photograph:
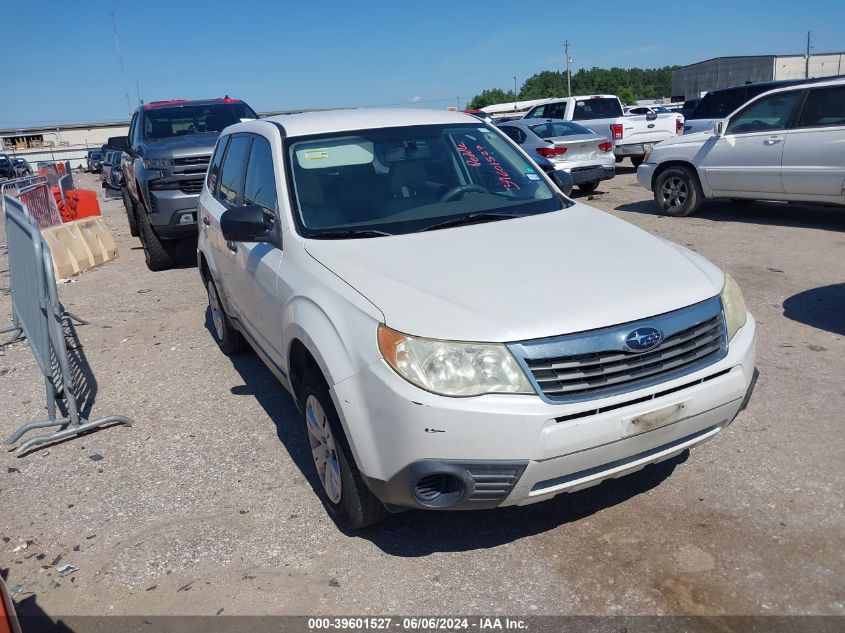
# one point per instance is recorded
(807, 58)
(120, 59)
(514, 93)
(568, 69)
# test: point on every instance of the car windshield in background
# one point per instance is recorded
(193, 119)
(597, 108)
(555, 129)
(408, 179)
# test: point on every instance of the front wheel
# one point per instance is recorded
(159, 254)
(131, 216)
(345, 495)
(636, 161)
(588, 187)
(677, 191)
(228, 339)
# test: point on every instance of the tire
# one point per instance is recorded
(677, 191)
(228, 339)
(588, 187)
(348, 501)
(131, 216)
(159, 254)
(636, 161)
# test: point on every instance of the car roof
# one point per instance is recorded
(328, 121)
(766, 86)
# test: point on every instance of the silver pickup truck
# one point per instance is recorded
(632, 136)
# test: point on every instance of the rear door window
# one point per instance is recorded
(260, 184)
(824, 107)
(596, 108)
(232, 174)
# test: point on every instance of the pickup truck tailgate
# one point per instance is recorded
(639, 129)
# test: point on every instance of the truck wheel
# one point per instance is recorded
(159, 254)
(636, 161)
(345, 495)
(131, 217)
(588, 187)
(677, 191)
(228, 339)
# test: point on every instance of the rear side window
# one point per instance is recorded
(260, 184)
(214, 167)
(232, 174)
(514, 133)
(824, 107)
(598, 108)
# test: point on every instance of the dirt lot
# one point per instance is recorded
(206, 504)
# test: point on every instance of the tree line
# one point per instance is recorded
(629, 84)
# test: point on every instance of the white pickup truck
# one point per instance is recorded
(632, 136)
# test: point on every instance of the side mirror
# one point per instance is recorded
(719, 128)
(245, 224)
(119, 142)
(563, 181)
(651, 116)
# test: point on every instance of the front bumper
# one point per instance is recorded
(517, 449)
(645, 174)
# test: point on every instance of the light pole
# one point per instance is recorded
(514, 93)
(568, 70)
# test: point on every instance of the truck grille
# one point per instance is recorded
(193, 160)
(191, 186)
(595, 364)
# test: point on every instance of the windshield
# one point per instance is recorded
(193, 119)
(554, 129)
(407, 179)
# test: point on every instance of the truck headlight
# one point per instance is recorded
(734, 306)
(158, 163)
(452, 368)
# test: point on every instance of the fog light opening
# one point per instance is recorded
(439, 490)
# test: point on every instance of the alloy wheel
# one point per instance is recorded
(323, 448)
(675, 192)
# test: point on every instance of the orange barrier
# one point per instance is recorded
(84, 203)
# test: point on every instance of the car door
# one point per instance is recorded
(746, 158)
(255, 265)
(225, 195)
(814, 149)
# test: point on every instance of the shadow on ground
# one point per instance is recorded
(822, 308)
(766, 213)
(419, 533)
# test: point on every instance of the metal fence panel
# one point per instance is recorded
(41, 205)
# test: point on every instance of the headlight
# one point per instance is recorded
(157, 163)
(452, 368)
(733, 305)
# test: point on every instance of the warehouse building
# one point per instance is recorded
(690, 82)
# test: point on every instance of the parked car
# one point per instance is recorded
(107, 160)
(456, 333)
(718, 104)
(566, 146)
(165, 159)
(112, 174)
(631, 136)
(94, 160)
(7, 169)
(785, 144)
(646, 110)
(21, 167)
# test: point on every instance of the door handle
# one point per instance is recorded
(232, 246)
(773, 140)
(206, 221)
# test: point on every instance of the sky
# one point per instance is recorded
(285, 55)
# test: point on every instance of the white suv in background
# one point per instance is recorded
(786, 144)
(457, 333)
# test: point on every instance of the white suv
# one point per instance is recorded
(786, 144)
(457, 333)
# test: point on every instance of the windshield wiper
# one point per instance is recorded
(340, 234)
(472, 218)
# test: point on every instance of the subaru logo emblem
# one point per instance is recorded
(643, 339)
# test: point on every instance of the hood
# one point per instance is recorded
(556, 273)
(181, 146)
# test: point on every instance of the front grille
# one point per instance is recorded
(193, 160)
(191, 186)
(595, 364)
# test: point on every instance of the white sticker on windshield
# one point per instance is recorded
(532, 176)
(334, 153)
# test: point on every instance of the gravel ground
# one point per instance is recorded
(207, 502)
